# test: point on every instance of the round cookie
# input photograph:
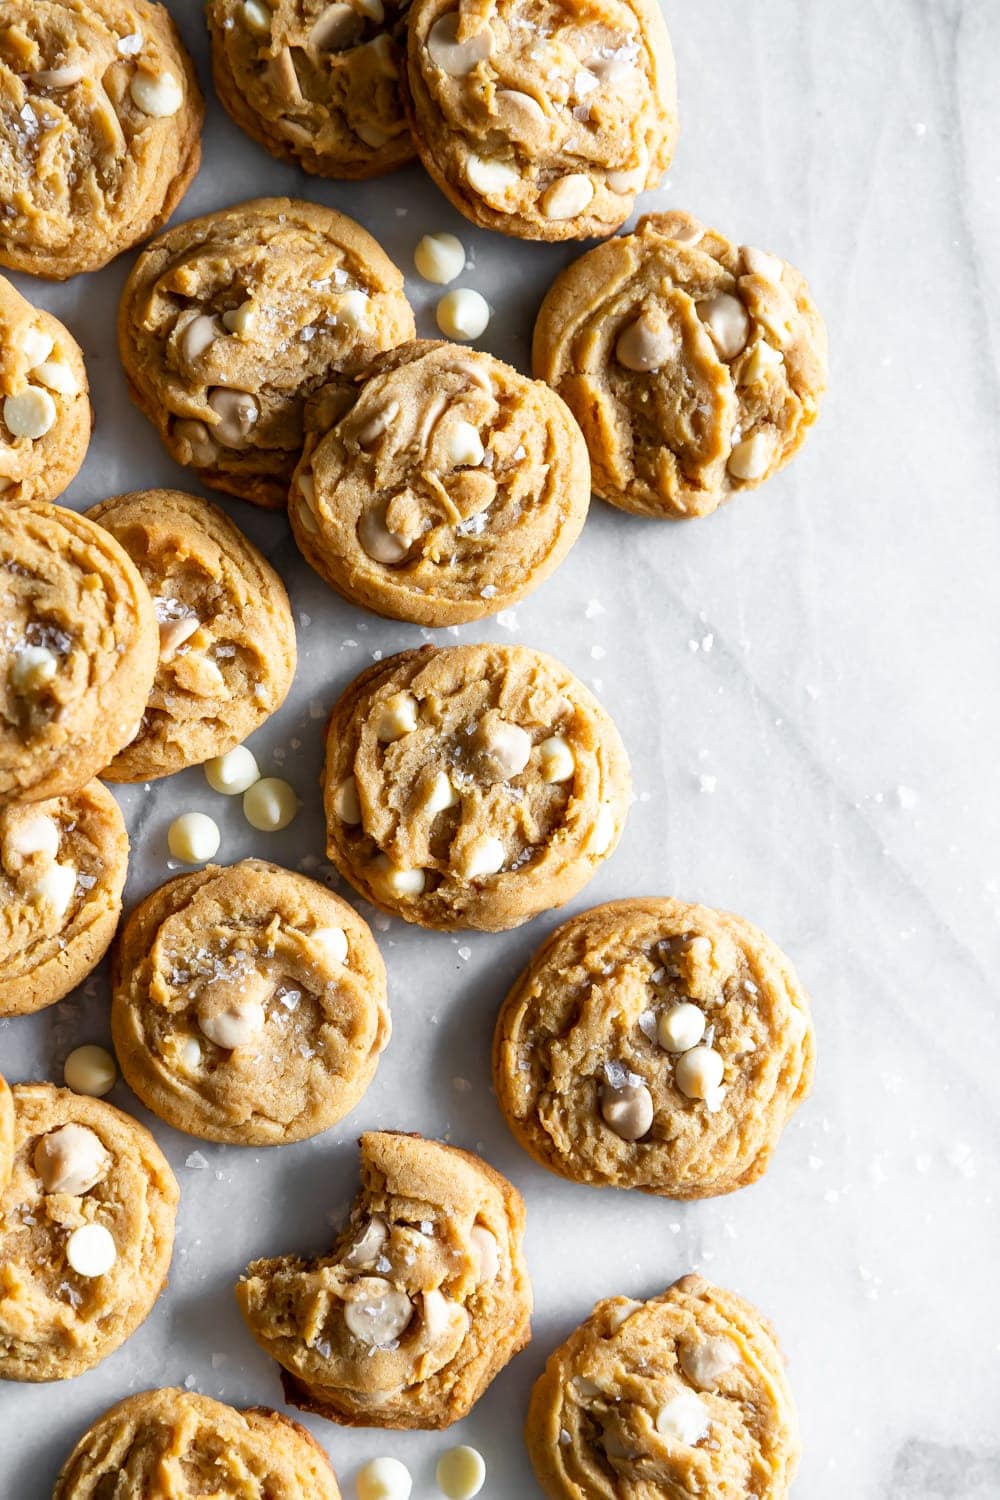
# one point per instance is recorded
(249, 1004)
(683, 1395)
(315, 83)
(181, 1444)
(101, 119)
(227, 638)
(422, 1301)
(542, 120)
(45, 414)
(62, 870)
(471, 787)
(78, 650)
(655, 1045)
(229, 322)
(449, 489)
(6, 1133)
(694, 366)
(86, 1231)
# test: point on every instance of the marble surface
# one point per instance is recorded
(807, 685)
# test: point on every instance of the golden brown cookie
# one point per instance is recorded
(249, 1004)
(448, 489)
(100, 130)
(655, 1045)
(6, 1133)
(422, 1301)
(78, 650)
(314, 82)
(45, 415)
(227, 639)
(181, 1444)
(683, 1396)
(228, 323)
(86, 1231)
(471, 787)
(694, 366)
(62, 871)
(542, 120)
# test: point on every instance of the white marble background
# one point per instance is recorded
(807, 683)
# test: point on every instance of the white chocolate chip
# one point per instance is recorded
(464, 446)
(690, 233)
(270, 804)
(621, 1314)
(58, 78)
(241, 320)
(196, 438)
(441, 794)
(486, 1253)
(557, 760)
(760, 362)
(90, 1251)
(353, 308)
(680, 1028)
(760, 263)
(55, 887)
(442, 1316)
(646, 344)
(257, 17)
(398, 881)
(439, 258)
(157, 94)
(699, 1073)
(381, 544)
(346, 802)
(727, 321)
(684, 1420)
(331, 943)
(173, 634)
(397, 716)
(373, 9)
(485, 856)
(33, 834)
(461, 1473)
(190, 1053)
(568, 196)
(237, 412)
(35, 344)
(71, 1160)
(32, 669)
(518, 109)
(703, 1363)
(384, 1479)
(197, 336)
(507, 746)
(193, 838)
(605, 827)
(452, 56)
(366, 1247)
(90, 1070)
(231, 1009)
(30, 414)
(377, 424)
(339, 26)
(376, 1312)
(57, 376)
(463, 314)
(627, 1108)
(751, 458)
(490, 177)
(628, 182)
(371, 134)
(232, 773)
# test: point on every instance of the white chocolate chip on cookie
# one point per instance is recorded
(367, 1246)
(376, 1312)
(490, 177)
(646, 344)
(257, 17)
(30, 414)
(454, 57)
(760, 263)
(680, 1028)
(32, 669)
(91, 1250)
(71, 1160)
(57, 376)
(484, 1247)
(505, 746)
(727, 321)
(55, 888)
(397, 716)
(381, 544)
(231, 1010)
(35, 344)
(464, 445)
(241, 320)
(751, 458)
(626, 1105)
(485, 856)
(557, 760)
(397, 880)
(34, 834)
(699, 1072)
(346, 803)
(173, 634)
(197, 336)
(568, 196)
(441, 794)
(330, 943)
(237, 412)
(684, 1419)
(159, 95)
(704, 1362)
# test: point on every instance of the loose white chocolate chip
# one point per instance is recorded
(157, 94)
(257, 17)
(507, 745)
(55, 888)
(90, 1251)
(173, 634)
(483, 857)
(241, 320)
(463, 314)
(727, 321)
(486, 1252)
(237, 412)
(751, 458)
(35, 834)
(490, 177)
(352, 308)
(270, 804)
(71, 1160)
(193, 838)
(376, 1312)
(381, 544)
(397, 716)
(452, 56)
(441, 794)
(234, 1018)
(331, 943)
(384, 1479)
(197, 336)
(346, 802)
(90, 1070)
(367, 1246)
(627, 1108)
(33, 667)
(36, 345)
(30, 414)
(461, 1473)
(680, 1028)
(57, 376)
(439, 258)
(232, 773)
(760, 263)
(557, 760)
(644, 346)
(398, 881)
(703, 1363)
(684, 1420)
(568, 197)
(699, 1073)
(464, 446)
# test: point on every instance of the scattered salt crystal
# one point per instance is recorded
(707, 783)
(906, 797)
(196, 1161)
(593, 609)
(508, 620)
(461, 1085)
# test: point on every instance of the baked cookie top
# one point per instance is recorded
(656, 1045)
(100, 126)
(448, 489)
(471, 787)
(78, 650)
(45, 415)
(683, 1395)
(86, 1231)
(6, 1132)
(227, 638)
(423, 1300)
(249, 1004)
(62, 870)
(693, 365)
(315, 82)
(181, 1444)
(542, 120)
(227, 323)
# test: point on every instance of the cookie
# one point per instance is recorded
(45, 414)
(694, 366)
(78, 650)
(249, 1004)
(449, 488)
(542, 120)
(6, 1133)
(181, 1444)
(422, 1301)
(62, 871)
(471, 787)
(100, 130)
(229, 322)
(86, 1231)
(683, 1395)
(315, 83)
(227, 638)
(654, 1045)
